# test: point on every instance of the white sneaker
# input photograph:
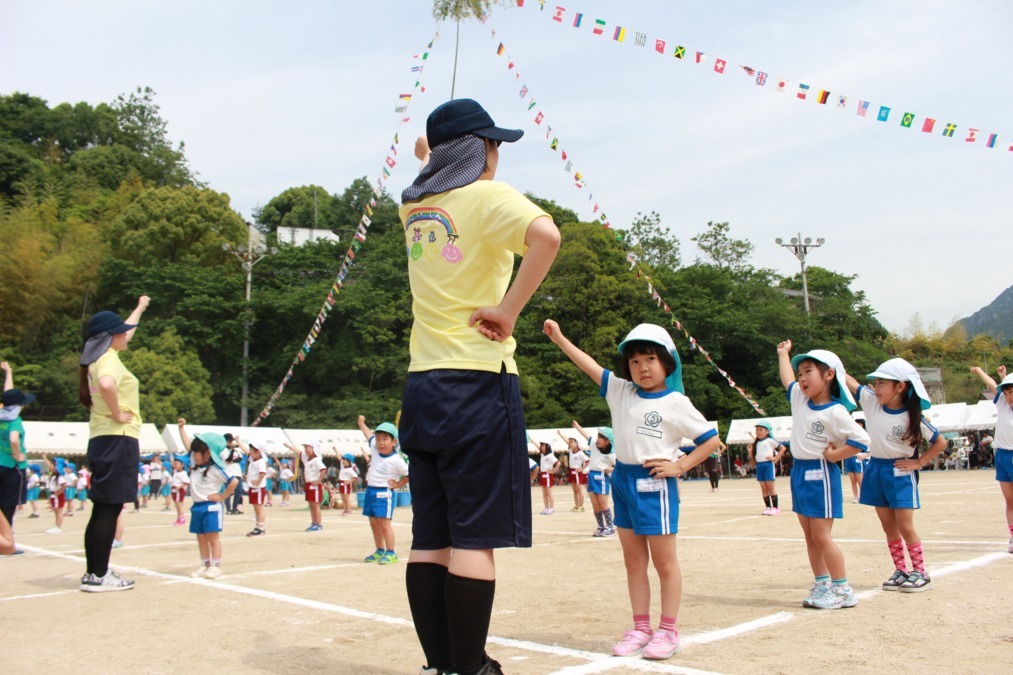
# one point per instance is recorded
(110, 582)
(213, 572)
(54, 530)
(818, 589)
(199, 572)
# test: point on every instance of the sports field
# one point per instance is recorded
(299, 602)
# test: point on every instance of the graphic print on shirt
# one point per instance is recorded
(652, 420)
(426, 223)
(896, 434)
(816, 432)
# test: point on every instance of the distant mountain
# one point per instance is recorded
(995, 319)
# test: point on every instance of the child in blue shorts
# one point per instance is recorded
(823, 433)
(650, 417)
(764, 453)
(1002, 396)
(387, 472)
(893, 409)
(599, 477)
(210, 486)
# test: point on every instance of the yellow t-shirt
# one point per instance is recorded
(461, 247)
(128, 393)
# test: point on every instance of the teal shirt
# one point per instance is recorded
(6, 458)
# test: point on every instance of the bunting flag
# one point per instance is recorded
(358, 240)
(580, 183)
(643, 39)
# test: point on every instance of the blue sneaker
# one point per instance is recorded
(375, 556)
(314, 528)
(839, 596)
(817, 590)
(388, 558)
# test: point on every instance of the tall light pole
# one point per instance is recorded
(248, 256)
(800, 248)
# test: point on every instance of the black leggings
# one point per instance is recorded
(99, 535)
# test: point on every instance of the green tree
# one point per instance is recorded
(309, 206)
(721, 249)
(174, 382)
(460, 10)
(652, 243)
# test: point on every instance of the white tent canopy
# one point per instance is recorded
(981, 416)
(333, 442)
(947, 416)
(742, 432)
(552, 437)
(269, 439)
(71, 438)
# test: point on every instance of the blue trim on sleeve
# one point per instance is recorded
(998, 393)
(787, 392)
(856, 444)
(604, 383)
(710, 433)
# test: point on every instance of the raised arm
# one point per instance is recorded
(574, 353)
(366, 431)
(135, 316)
(8, 375)
(784, 364)
(853, 385)
(542, 240)
(986, 379)
(184, 438)
(580, 430)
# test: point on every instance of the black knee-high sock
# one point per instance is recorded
(766, 500)
(773, 499)
(426, 584)
(98, 537)
(469, 608)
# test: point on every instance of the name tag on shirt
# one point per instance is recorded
(814, 474)
(650, 484)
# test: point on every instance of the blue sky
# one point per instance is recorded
(271, 95)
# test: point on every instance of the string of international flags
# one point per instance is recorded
(403, 103)
(801, 90)
(528, 100)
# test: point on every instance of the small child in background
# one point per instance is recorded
(577, 462)
(57, 486)
(83, 483)
(599, 479)
(547, 465)
(144, 478)
(348, 476)
(823, 433)
(210, 486)
(387, 472)
(256, 478)
(313, 479)
(166, 490)
(285, 477)
(178, 484)
(1002, 444)
(32, 491)
(70, 492)
(764, 453)
(854, 467)
(272, 477)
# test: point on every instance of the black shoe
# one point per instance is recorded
(490, 667)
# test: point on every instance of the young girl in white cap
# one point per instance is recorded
(1002, 395)
(178, 484)
(893, 409)
(547, 465)
(348, 476)
(599, 477)
(650, 417)
(210, 486)
(764, 453)
(256, 479)
(285, 477)
(823, 433)
(576, 463)
(314, 472)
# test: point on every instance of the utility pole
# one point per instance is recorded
(800, 248)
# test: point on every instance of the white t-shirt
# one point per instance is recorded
(887, 426)
(203, 486)
(347, 474)
(286, 474)
(254, 468)
(599, 461)
(33, 480)
(312, 468)
(578, 460)
(814, 428)
(765, 449)
(55, 483)
(155, 470)
(272, 473)
(82, 479)
(179, 479)
(650, 425)
(1003, 423)
(235, 468)
(384, 468)
(546, 462)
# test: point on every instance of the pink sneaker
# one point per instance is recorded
(767, 512)
(663, 645)
(633, 643)
(774, 511)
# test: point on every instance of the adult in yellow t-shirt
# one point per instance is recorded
(462, 425)
(111, 393)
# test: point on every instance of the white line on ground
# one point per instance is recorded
(37, 595)
(732, 631)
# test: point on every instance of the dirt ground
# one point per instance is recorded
(298, 602)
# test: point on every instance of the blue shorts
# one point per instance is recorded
(816, 489)
(165, 490)
(464, 434)
(379, 503)
(888, 487)
(269, 485)
(646, 505)
(1004, 465)
(70, 493)
(599, 483)
(33, 494)
(853, 465)
(765, 472)
(284, 486)
(206, 517)
(146, 490)
(82, 494)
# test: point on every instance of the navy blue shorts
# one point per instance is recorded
(463, 432)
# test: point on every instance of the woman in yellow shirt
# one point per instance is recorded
(111, 393)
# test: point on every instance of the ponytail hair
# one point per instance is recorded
(83, 388)
(913, 405)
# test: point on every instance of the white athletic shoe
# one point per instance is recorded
(213, 572)
(199, 572)
(110, 582)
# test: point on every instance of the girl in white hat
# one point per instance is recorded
(764, 453)
(893, 409)
(1002, 396)
(823, 433)
(650, 417)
